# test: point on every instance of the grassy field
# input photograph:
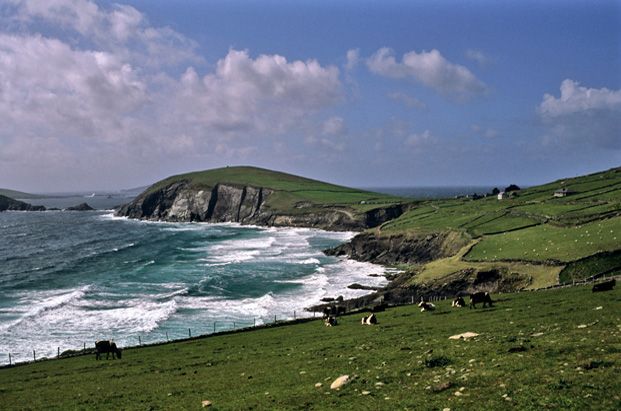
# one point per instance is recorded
(549, 242)
(554, 349)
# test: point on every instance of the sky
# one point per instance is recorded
(103, 95)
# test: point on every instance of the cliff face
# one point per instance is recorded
(396, 249)
(180, 201)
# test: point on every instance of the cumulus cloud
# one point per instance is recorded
(429, 68)
(112, 91)
(407, 100)
(266, 94)
(581, 114)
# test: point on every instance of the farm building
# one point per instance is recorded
(562, 192)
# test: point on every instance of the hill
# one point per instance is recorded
(251, 195)
(561, 231)
(18, 194)
(553, 349)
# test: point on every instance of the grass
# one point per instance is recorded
(548, 242)
(18, 194)
(536, 275)
(554, 349)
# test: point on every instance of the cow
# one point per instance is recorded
(107, 347)
(604, 286)
(369, 320)
(425, 306)
(458, 302)
(330, 321)
(333, 310)
(480, 297)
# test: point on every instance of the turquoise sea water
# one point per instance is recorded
(69, 278)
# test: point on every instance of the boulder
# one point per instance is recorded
(339, 382)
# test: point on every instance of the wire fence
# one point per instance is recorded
(138, 340)
(229, 326)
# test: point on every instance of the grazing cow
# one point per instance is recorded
(480, 297)
(458, 302)
(605, 286)
(369, 320)
(330, 321)
(107, 347)
(425, 306)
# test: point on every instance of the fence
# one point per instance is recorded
(215, 327)
(228, 326)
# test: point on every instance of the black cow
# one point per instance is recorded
(605, 286)
(107, 347)
(480, 297)
(333, 311)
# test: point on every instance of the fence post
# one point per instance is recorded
(233, 324)
(167, 336)
(274, 318)
(10, 359)
(85, 345)
(189, 333)
(139, 341)
(214, 327)
(294, 314)
(58, 353)
(34, 354)
(255, 321)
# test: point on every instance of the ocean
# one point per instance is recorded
(68, 279)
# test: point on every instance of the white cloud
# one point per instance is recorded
(266, 94)
(583, 115)
(407, 100)
(478, 56)
(353, 58)
(575, 98)
(106, 94)
(429, 68)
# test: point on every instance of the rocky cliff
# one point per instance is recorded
(401, 249)
(183, 201)
(7, 203)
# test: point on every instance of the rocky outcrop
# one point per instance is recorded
(80, 207)
(397, 249)
(9, 204)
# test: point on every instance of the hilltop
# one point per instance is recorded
(251, 195)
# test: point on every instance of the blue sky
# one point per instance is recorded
(106, 95)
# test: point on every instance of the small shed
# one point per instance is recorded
(501, 195)
(563, 192)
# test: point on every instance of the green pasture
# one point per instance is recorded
(554, 349)
(548, 242)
